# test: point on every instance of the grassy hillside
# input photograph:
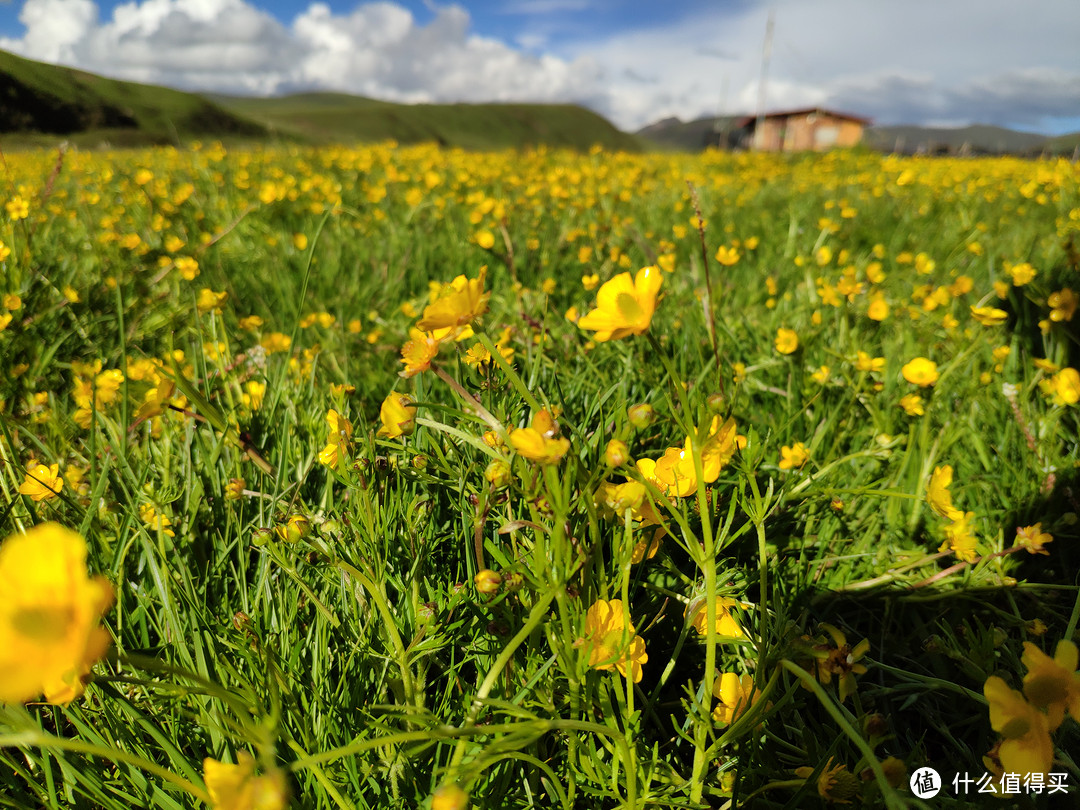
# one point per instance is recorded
(330, 117)
(40, 103)
(39, 99)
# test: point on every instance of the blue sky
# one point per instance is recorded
(931, 62)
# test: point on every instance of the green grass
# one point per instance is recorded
(360, 660)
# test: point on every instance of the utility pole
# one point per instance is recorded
(765, 54)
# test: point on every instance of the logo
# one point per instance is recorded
(925, 783)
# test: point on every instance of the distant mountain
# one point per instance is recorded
(692, 136)
(977, 138)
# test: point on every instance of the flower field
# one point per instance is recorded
(406, 477)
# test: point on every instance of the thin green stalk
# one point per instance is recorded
(39, 739)
(888, 793)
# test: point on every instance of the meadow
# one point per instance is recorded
(383, 477)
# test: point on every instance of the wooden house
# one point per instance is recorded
(808, 129)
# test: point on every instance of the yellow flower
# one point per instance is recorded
(727, 256)
(610, 642)
(1033, 539)
(12, 302)
(624, 306)
(211, 301)
(538, 443)
(187, 267)
(921, 372)
(726, 625)
(938, 495)
(736, 694)
(989, 316)
(1053, 684)
(398, 416)
(841, 660)
(418, 352)
(487, 581)
(156, 400)
(864, 362)
(149, 515)
(879, 308)
(485, 239)
(236, 787)
(787, 341)
(794, 456)
(235, 489)
(42, 483)
(590, 282)
(835, 784)
(675, 472)
(449, 797)
(821, 376)
(49, 617)
(960, 539)
(254, 392)
(1062, 305)
(1021, 273)
(1026, 747)
(460, 302)
(300, 241)
(1063, 388)
(17, 208)
(276, 342)
(912, 405)
(337, 443)
(295, 529)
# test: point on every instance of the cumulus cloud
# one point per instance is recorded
(923, 60)
(377, 49)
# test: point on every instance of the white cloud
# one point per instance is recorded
(996, 61)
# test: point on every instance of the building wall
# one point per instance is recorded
(806, 132)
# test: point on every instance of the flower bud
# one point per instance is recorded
(641, 415)
(234, 489)
(261, 536)
(498, 474)
(716, 402)
(487, 581)
(616, 454)
(295, 530)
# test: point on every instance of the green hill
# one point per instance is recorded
(37, 100)
(336, 117)
(41, 103)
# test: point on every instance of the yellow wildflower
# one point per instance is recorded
(787, 341)
(460, 302)
(398, 415)
(49, 617)
(1033, 539)
(337, 442)
(1053, 684)
(921, 372)
(42, 483)
(794, 456)
(611, 643)
(864, 362)
(841, 660)
(727, 256)
(211, 301)
(1026, 747)
(538, 442)
(736, 694)
(1063, 305)
(835, 783)
(236, 787)
(726, 624)
(989, 316)
(449, 797)
(1063, 388)
(912, 405)
(938, 495)
(624, 305)
(960, 539)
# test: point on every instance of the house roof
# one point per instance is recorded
(806, 111)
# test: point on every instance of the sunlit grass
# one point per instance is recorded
(531, 587)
